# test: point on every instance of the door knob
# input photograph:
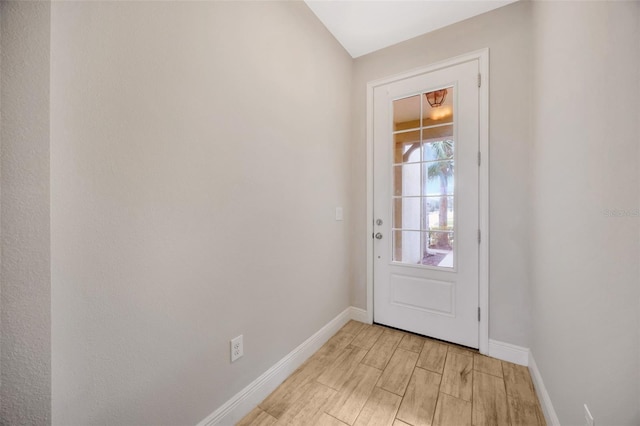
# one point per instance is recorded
(378, 236)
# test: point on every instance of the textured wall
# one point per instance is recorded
(198, 152)
(585, 199)
(506, 32)
(25, 320)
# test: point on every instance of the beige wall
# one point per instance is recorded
(585, 277)
(506, 32)
(198, 152)
(25, 345)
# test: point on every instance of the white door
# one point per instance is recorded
(425, 207)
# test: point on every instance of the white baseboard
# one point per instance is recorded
(545, 401)
(248, 398)
(508, 352)
(359, 315)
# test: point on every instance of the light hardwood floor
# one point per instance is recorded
(373, 375)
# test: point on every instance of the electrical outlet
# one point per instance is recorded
(236, 348)
(588, 418)
(339, 213)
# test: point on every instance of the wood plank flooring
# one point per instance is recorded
(373, 375)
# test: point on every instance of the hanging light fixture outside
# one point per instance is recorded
(436, 98)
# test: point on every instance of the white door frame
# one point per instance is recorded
(483, 280)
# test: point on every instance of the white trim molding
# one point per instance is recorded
(360, 315)
(543, 396)
(482, 56)
(248, 398)
(508, 352)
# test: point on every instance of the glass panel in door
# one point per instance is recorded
(423, 203)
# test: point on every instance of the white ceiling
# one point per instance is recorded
(363, 26)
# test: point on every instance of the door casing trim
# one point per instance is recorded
(482, 56)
